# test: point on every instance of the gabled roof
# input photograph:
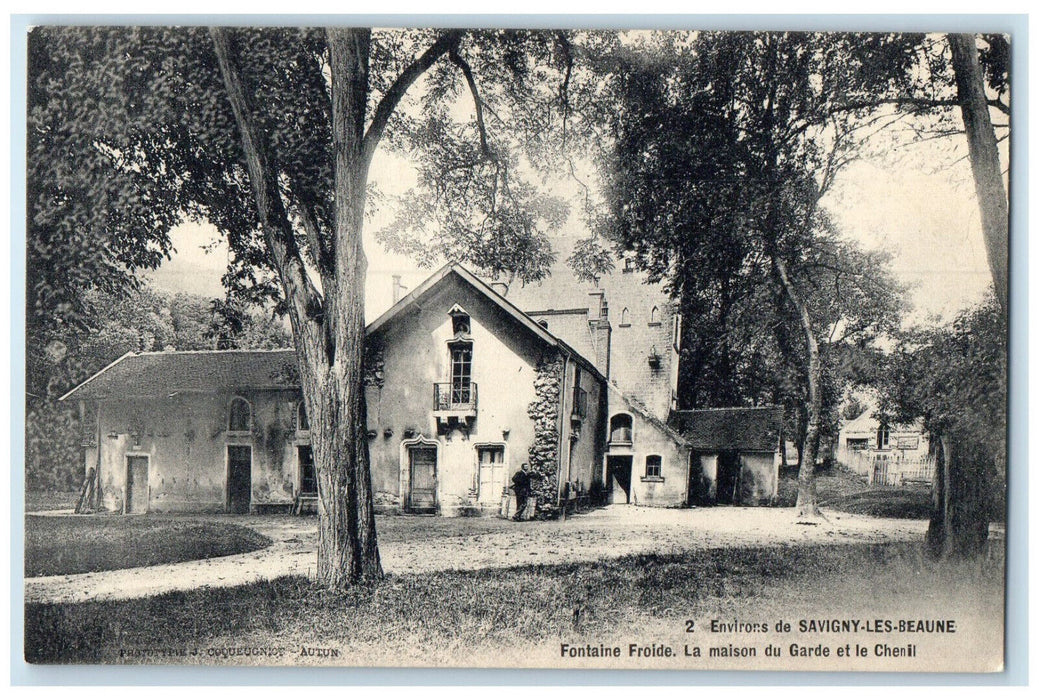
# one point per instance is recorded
(205, 371)
(433, 281)
(744, 429)
(220, 371)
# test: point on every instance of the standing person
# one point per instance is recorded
(521, 486)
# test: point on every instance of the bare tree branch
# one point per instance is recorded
(446, 42)
(467, 71)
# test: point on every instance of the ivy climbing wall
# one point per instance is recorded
(544, 449)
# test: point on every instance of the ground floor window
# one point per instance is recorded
(858, 443)
(653, 467)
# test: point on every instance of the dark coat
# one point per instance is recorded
(521, 482)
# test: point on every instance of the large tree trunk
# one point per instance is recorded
(347, 547)
(807, 506)
(984, 158)
(961, 502)
(329, 331)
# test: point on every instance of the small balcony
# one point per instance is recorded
(454, 402)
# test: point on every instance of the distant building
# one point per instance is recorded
(886, 454)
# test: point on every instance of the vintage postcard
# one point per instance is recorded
(489, 348)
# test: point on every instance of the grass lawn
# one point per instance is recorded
(889, 502)
(484, 617)
(50, 500)
(839, 489)
(80, 544)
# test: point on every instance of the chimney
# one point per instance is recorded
(397, 288)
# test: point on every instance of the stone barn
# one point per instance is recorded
(220, 431)
(736, 454)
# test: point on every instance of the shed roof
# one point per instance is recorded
(203, 371)
(743, 429)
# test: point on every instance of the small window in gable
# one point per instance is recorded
(239, 416)
(624, 317)
(654, 316)
(653, 467)
(460, 322)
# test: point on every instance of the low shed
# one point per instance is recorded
(736, 455)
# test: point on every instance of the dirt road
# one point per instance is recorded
(415, 544)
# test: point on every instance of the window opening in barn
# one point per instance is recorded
(620, 429)
(307, 473)
(653, 467)
(239, 418)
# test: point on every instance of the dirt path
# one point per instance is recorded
(417, 544)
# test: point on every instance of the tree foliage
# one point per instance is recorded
(955, 377)
(724, 147)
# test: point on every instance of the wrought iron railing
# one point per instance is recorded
(454, 396)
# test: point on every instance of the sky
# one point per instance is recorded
(927, 220)
(915, 202)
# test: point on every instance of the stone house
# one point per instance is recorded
(466, 380)
(462, 388)
(196, 431)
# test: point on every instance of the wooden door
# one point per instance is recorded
(492, 475)
(239, 478)
(136, 484)
(618, 478)
(307, 475)
(423, 467)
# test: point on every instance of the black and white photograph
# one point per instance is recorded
(500, 347)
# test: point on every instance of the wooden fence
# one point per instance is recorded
(891, 468)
